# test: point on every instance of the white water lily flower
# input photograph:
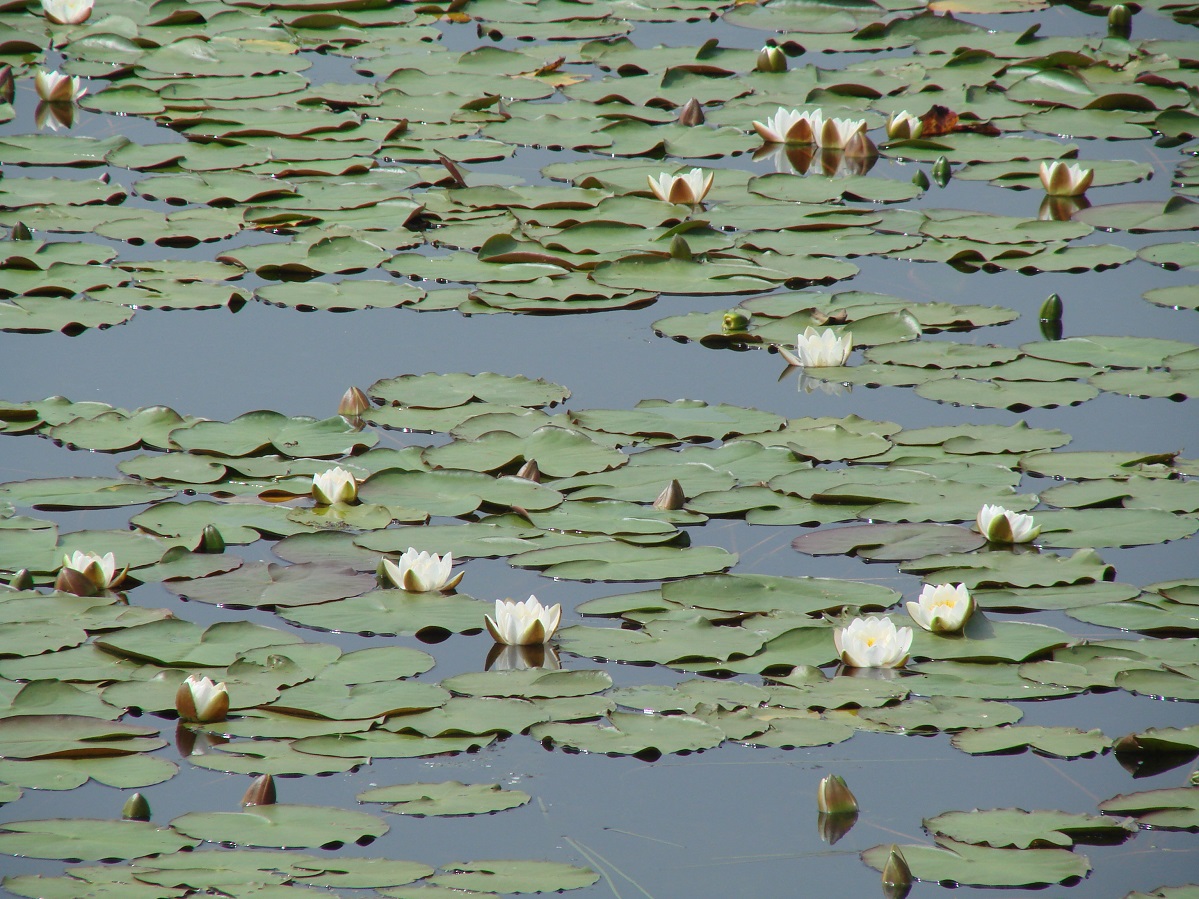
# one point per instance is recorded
(690, 188)
(523, 623)
(1061, 180)
(422, 572)
(67, 12)
(101, 571)
(200, 700)
(873, 643)
(819, 349)
(903, 125)
(334, 486)
(999, 525)
(942, 609)
(55, 87)
(790, 126)
(836, 134)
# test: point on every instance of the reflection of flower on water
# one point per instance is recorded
(1061, 209)
(522, 658)
(809, 384)
(797, 159)
(54, 115)
(190, 742)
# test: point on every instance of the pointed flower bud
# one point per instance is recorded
(680, 249)
(833, 797)
(734, 322)
(136, 808)
(530, 472)
(211, 540)
(353, 403)
(1051, 309)
(771, 60)
(8, 85)
(921, 180)
(942, 171)
(22, 580)
(20, 231)
(671, 497)
(897, 876)
(1119, 21)
(691, 114)
(202, 701)
(904, 126)
(260, 792)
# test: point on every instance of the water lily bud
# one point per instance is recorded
(67, 12)
(941, 171)
(20, 231)
(353, 403)
(530, 472)
(833, 797)
(680, 249)
(691, 114)
(897, 876)
(202, 701)
(22, 580)
(260, 792)
(1195, 778)
(211, 541)
(1051, 309)
(136, 808)
(671, 497)
(904, 126)
(1119, 21)
(921, 180)
(734, 322)
(7, 84)
(771, 59)
(76, 583)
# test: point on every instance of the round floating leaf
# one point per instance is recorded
(1017, 396)
(438, 391)
(282, 826)
(529, 684)
(1056, 742)
(682, 419)
(270, 585)
(614, 560)
(889, 542)
(943, 713)
(507, 876)
(1112, 527)
(982, 866)
(1169, 809)
(633, 734)
(448, 798)
(59, 736)
(81, 493)
(86, 839)
(1003, 828)
(393, 612)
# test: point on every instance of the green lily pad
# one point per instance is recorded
(506, 876)
(1168, 809)
(281, 826)
(85, 839)
(1055, 742)
(1003, 828)
(448, 798)
(983, 866)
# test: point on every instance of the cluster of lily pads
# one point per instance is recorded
(284, 187)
